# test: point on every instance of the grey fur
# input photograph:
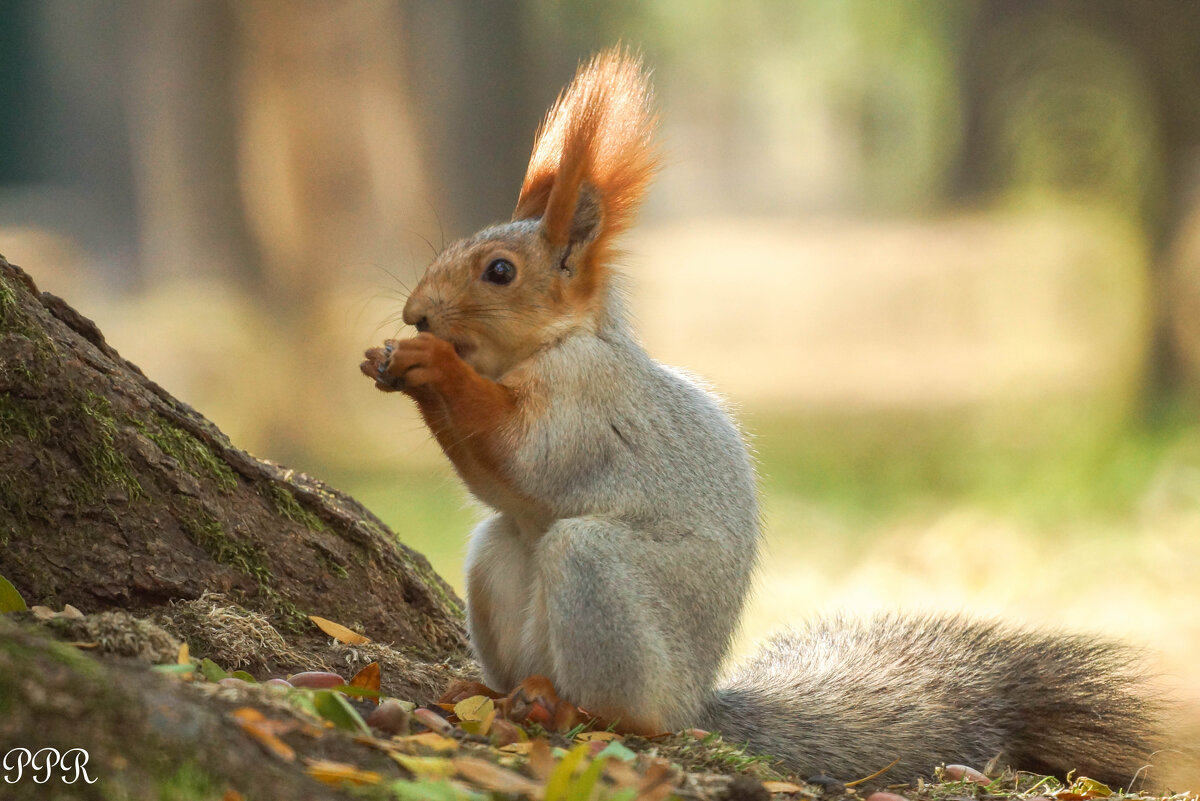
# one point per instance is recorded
(629, 593)
(847, 698)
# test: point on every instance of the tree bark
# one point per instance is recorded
(115, 495)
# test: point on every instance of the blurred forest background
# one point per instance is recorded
(944, 258)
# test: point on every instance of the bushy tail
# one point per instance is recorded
(845, 699)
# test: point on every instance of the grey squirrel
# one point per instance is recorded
(627, 527)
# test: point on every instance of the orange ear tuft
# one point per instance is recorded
(600, 133)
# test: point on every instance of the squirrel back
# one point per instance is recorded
(627, 527)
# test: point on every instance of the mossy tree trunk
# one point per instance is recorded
(113, 494)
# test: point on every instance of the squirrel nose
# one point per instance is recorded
(415, 313)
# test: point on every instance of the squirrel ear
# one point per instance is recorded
(593, 158)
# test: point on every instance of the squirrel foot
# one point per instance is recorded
(535, 701)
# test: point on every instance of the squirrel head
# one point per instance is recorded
(513, 289)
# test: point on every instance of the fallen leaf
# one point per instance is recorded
(622, 773)
(783, 787)
(337, 710)
(517, 748)
(560, 778)
(71, 613)
(337, 773)
(589, 736)
(475, 714)
(541, 761)
(43, 612)
(496, 779)
(10, 598)
(430, 740)
(212, 671)
(617, 750)
(184, 658)
(425, 767)
(368, 679)
(441, 790)
(339, 632)
(657, 783)
(477, 707)
(233, 795)
(1091, 788)
(256, 725)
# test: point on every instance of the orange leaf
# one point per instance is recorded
(368, 679)
(257, 726)
(339, 632)
(497, 779)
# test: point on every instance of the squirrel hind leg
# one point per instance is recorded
(614, 648)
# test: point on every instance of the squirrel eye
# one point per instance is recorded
(500, 271)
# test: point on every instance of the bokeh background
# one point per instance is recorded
(942, 257)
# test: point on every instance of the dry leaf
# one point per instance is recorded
(429, 740)
(432, 768)
(658, 783)
(622, 773)
(477, 707)
(71, 613)
(184, 657)
(475, 714)
(782, 787)
(517, 748)
(336, 773)
(368, 679)
(590, 736)
(541, 761)
(497, 779)
(258, 727)
(339, 632)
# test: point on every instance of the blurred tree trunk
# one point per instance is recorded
(1097, 98)
(115, 495)
(183, 131)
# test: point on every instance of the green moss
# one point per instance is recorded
(331, 565)
(286, 504)
(103, 464)
(188, 782)
(208, 532)
(21, 417)
(195, 456)
(15, 320)
(246, 557)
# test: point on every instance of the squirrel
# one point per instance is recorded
(627, 528)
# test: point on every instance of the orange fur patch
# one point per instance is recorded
(600, 131)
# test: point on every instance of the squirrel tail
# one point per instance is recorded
(846, 699)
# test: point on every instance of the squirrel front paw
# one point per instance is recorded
(407, 365)
(376, 367)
